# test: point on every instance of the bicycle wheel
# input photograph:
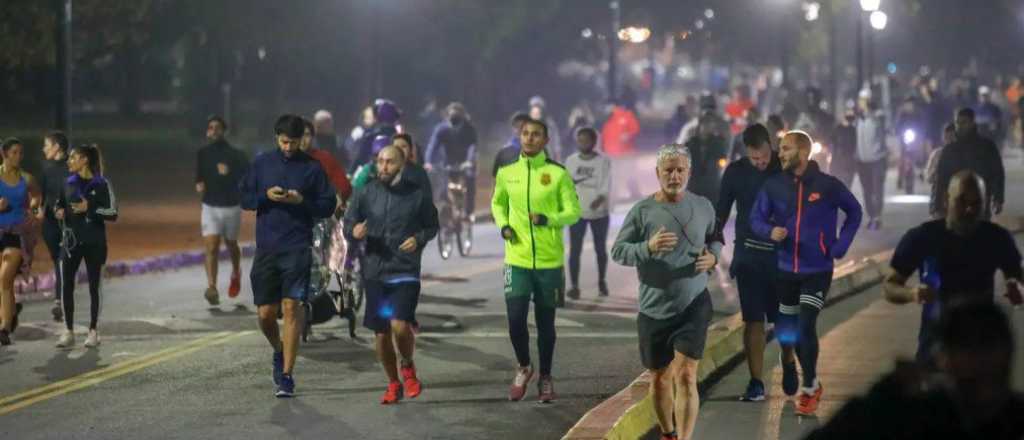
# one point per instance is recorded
(444, 236)
(465, 236)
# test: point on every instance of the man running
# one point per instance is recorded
(52, 180)
(753, 261)
(289, 192)
(671, 238)
(592, 174)
(396, 218)
(798, 209)
(957, 258)
(219, 169)
(534, 199)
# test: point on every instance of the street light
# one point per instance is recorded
(811, 10)
(635, 34)
(870, 5)
(879, 20)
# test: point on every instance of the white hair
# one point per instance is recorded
(322, 115)
(671, 151)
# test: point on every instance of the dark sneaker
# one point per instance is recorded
(5, 337)
(287, 386)
(278, 367)
(57, 311)
(392, 395)
(790, 381)
(602, 289)
(755, 391)
(519, 383)
(412, 384)
(545, 390)
(212, 296)
(573, 293)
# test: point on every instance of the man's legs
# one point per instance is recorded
(599, 228)
(687, 401)
(663, 395)
(518, 328)
(787, 330)
(386, 354)
(212, 247)
(576, 233)
(268, 325)
(294, 317)
(754, 345)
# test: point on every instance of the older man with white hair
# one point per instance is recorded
(671, 238)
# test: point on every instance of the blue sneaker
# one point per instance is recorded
(278, 367)
(287, 386)
(790, 381)
(755, 391)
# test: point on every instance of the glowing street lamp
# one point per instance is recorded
(634, 34)
(870, 5)
(879, 20)
(811, 10)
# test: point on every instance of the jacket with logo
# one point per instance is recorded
(535, 185)
(808, 207)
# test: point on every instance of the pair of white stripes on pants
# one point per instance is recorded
(813, 301)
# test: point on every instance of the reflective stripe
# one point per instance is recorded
(812, 301)
(789, 310)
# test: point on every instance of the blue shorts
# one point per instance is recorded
(279, 275)
(386, 302)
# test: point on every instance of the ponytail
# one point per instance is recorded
(92, 153)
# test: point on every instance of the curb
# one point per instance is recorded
(629, 414)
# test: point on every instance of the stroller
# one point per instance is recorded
(333, 259)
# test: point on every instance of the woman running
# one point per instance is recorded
(18, 194)
(85, 206)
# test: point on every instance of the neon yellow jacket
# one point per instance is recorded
(540, 186)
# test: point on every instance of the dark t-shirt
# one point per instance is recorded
(221, 167)
(966, 265)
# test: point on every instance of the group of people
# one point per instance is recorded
(69, 204)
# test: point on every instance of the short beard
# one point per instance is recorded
(962, 227)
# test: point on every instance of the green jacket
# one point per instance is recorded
(540, 186)
(364, 174)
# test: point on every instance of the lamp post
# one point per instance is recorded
(878, 20)
(613, 48)
(62, 116)
(865, 6)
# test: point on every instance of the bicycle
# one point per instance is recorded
(454, 221)
(333, 259)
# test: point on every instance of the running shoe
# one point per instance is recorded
(57, 311)
(755, 391)
(66, 340)
(278, 367)
(545, 390)
(412, 384)
(602, 288)
(790, 382)
(669, 437)
(573, 293)
(93, 340)
(808, 401)
(287, 387)
(5, 337)
(212, 296)
(236, 285)
(392, 395)
(518, 388)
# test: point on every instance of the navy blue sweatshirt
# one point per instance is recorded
(741, 183)
(280, 226)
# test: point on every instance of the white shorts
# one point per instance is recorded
(223, 221)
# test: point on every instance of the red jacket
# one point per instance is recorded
(620, 132)
(335, 172)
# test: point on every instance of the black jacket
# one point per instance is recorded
(975, 153)
(89, 228)
(221, 189)
(740, 184)
(392, 215)
(51, 181)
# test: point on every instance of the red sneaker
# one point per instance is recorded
(413, 386)
(393, 394)
(518, 388)
(806, 403)
(236, 285)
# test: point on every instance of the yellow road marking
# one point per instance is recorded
(21, 400)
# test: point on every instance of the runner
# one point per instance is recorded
(87, 203)
(956, 257)
(289, 192)
(591, 173)
(395, 217)
(219, 169)
(671, 238)
(798, 209)
(534, 199)
(18, 194)
(51, 182)
(753, 261)
(335, 171)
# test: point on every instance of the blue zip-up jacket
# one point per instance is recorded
(281, 226)
(808, 207)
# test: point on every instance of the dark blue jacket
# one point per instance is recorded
(808, 207)
(741, 184)
(281, 226)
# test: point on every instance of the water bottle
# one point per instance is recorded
(929, 276)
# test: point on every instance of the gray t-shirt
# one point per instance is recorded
(668, 282)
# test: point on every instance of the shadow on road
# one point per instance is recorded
(457, 302)
(62, 366)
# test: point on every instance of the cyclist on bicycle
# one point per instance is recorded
(452, 148)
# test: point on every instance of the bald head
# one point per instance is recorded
(966, 202)
(795, 151)
(390, 161)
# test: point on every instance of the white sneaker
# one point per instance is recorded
(67, 339)
(93, 339)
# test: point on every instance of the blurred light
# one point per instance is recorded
(870, 5)
(891, 68)
(684, 35)
(699, 24)
(587, 33)
(811, 10)
(709, 13)
(879, 20)
(386, 311)
(909, 199)
(909, 136)
(635, 34)
(261, 53)
(722, 163)
(816, 148)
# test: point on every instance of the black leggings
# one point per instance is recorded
(519, 331)
(599, 228)
(51, 235)
(95, 256)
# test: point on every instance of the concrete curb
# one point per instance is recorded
(629, 414)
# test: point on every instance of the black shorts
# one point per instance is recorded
(279, 275)
(756, 285)
(390, 301)
(10, 241)
(796, 289)
(685, 333)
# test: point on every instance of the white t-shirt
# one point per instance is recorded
(593, 179)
